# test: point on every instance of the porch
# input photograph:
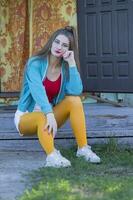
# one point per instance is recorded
(103, 122)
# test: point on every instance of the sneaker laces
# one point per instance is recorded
(63, 159)
(87, 146)
(87, 149)
(58, 152)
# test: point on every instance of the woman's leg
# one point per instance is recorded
(71, 107)
(33, 123)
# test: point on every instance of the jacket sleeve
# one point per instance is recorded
(34, 79)
(74, 84)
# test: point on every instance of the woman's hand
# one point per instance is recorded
(69, 57)
(51, 124)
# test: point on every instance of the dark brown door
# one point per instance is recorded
(105, 30)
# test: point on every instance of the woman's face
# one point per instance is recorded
(60, 45)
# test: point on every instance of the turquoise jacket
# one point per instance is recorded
(33, 91)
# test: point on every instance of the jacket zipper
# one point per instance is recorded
(44, 75)
(61, 80)
(60, 87)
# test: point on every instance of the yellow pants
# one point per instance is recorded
(71, 107)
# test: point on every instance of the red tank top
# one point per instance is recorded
(52, 87)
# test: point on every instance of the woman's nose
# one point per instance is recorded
(60, 46)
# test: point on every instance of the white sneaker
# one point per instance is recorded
(55, 159)
(88, 154)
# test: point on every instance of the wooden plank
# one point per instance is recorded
(101, 121)
(9, 94)
(33, 145)
(7, 108)
(69, 134)
(102, 100)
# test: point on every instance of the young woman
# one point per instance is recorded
(50, 95)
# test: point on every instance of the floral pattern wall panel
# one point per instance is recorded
(14, 43)
(47, 16)
(25, 28)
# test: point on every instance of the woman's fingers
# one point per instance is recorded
(51, 125)
(54, 130)
(67, 54)
(48, 127)
(45, 127)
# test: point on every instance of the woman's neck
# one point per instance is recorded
(54, 62)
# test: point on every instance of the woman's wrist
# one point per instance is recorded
(49, 114)
(72, 64)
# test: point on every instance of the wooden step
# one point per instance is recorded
(103, 122)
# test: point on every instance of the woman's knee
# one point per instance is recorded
(74, 100)
(40, 117)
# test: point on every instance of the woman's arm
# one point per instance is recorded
(34, 79)
(74, 84)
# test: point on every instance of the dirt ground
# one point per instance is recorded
(13, 169)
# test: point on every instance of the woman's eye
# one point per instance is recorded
(65, 45)
(56, 41)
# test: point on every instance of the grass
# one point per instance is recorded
(110, 180)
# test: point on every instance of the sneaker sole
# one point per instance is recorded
(57, 166)
(91, 161)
